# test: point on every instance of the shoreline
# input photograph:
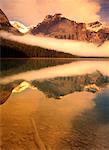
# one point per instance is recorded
(46, 58)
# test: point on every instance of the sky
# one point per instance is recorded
(104, 12)
(31, 12)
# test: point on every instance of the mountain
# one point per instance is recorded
(62, 28)
(5, 24)
(10, 48)
(94, 26)
(53, 26)
(19, 26)
(59, 27)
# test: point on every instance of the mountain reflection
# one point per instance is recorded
(61, 86)
(56, 81)
(70, 69)
(56, 105)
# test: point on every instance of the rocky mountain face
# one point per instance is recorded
(63, 28)
(5, 24)
(94, 26)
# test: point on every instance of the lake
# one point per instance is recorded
(54, 104)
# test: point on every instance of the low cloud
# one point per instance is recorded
(68, 46)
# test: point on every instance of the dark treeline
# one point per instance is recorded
(19, 50)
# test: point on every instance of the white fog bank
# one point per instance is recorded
(68, 46)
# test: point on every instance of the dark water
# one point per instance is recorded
(59, 104)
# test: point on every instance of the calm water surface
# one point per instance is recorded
(54, 104)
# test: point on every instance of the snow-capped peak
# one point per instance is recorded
(94, 26)
(22, 28)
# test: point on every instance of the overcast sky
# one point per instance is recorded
(31, 12)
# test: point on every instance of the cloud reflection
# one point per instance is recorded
(74, 68)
